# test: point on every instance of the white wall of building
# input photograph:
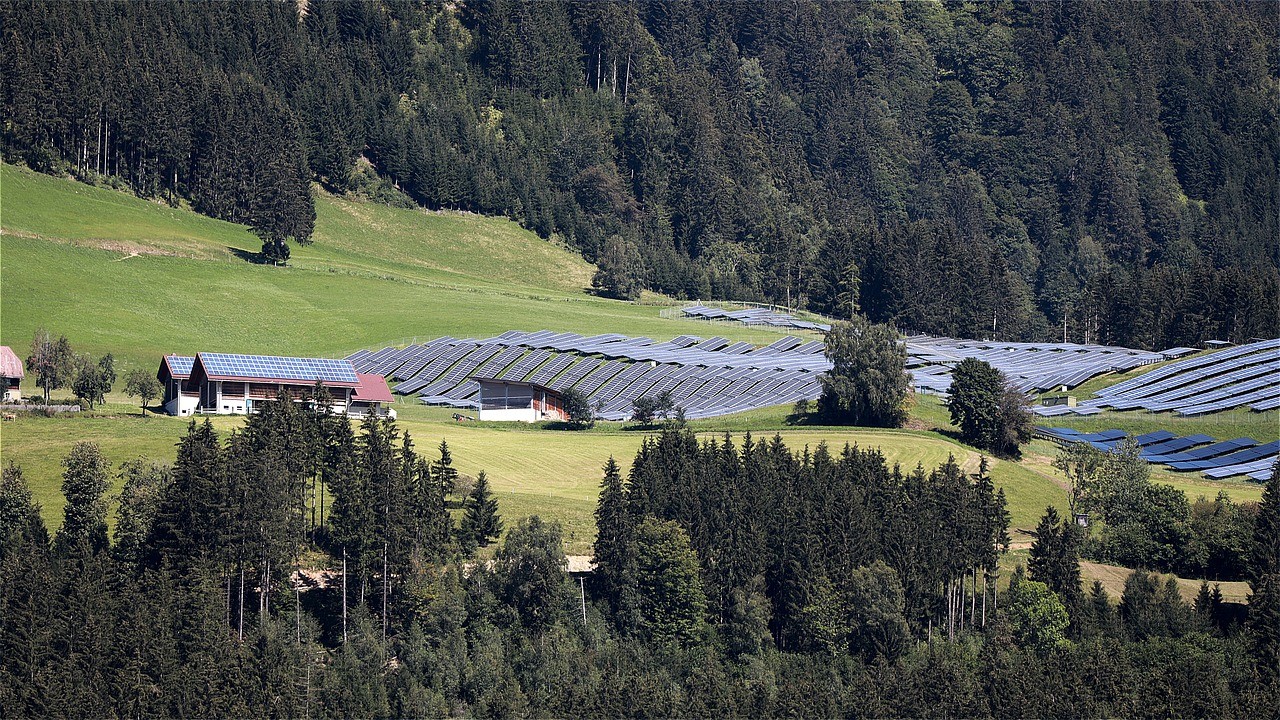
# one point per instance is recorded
(509, 415)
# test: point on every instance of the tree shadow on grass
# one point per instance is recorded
(248, 256)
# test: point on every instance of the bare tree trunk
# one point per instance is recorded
(613, 84)
(984, 599)
(344, 595)
(973, 598)
(626, 82)
(385, 588)
(240, 619)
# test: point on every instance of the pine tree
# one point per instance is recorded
(445, 474)
(613, 579)
(193, 518)
(1264, 569)
(1055, 557)
(480, 521)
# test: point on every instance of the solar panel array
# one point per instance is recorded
(279, 368)
(754, 316)
(1032, 367)
(1228, 458)
(1244, 375)
(706, 378)
(613, 370)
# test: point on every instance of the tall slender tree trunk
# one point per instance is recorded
(984, 598)
(344, 595)
(240, 619)
(626, 82)
(385, 587)
(973, 598)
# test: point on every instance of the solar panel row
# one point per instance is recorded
(1228, 458)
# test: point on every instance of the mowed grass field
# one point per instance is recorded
(552, 473)
(139, 279)
(118, 274)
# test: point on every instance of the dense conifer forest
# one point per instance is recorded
(1095, 171)
(298, 567)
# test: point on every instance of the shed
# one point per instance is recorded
(515, 400)
(11, 374)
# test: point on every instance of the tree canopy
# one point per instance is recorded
(975, 170)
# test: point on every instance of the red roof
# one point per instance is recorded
(10, 364)
(372, 388)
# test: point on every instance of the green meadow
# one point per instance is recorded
(138, 279)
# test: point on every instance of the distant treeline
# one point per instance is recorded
(1107, 170)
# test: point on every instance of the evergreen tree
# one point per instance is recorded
(443, 470)
(613, 579)
(1264, 568)
(84, 518)
(20, 522)
(480, 523)
(669, 590)
(1055, 557)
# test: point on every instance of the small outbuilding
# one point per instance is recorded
(514, 400)
(11, 374)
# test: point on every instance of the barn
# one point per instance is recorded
(227, 384)
(514, 400)
(11, 374)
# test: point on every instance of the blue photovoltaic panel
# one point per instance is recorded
(279, 368)
(180, 364)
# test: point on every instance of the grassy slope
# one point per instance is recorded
(67, 263)
(375, 275)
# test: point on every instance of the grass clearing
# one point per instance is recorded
(555, 474)
(68, 263)
(1112, 578)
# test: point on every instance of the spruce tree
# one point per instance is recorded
(1055, 557)
(612, 580)
(480, 521)
(1264, 569)
(445, 474)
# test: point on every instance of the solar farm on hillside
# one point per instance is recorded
(712, 377)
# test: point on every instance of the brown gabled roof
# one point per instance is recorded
(10, 364)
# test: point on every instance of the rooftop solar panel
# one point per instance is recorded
(266, 367)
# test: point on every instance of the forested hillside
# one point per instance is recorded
(1107, 170)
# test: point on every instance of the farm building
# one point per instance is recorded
(11, 374)
(518, 401)
(223, 384)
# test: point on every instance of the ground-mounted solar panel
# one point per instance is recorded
(504, 359)
(1262, 464)
(1204, 453)
(598, 377)
(574, 373)
(1235, 458)
(619, 382)
(525, 365)
(553, 367)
